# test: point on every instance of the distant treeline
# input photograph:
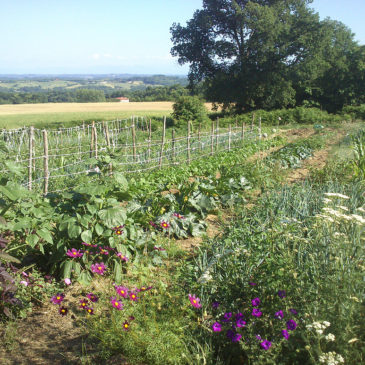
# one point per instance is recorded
(159, 93)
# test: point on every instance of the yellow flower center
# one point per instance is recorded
(126, 325)
(99, 268)
(58, 298)
(116, 303)
(194, 301)
(75, 253)
(122, 291)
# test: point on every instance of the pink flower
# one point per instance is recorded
(122, 257)
(133, 296)
(116, 303)
(98, 268)
(67, 281)
(74, 253)
(24, 282)
(165, 225)
(195, 301)
(58, 298)
(122, 291)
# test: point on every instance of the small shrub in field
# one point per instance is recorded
(189, 108)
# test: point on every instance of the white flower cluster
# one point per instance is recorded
(336, 213)
(331, 358)
(319, 327)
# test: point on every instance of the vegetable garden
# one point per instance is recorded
(125, 257)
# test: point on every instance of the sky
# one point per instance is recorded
(113, 36)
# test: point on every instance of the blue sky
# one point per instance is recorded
(112, 36)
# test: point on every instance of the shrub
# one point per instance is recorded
(189, 108)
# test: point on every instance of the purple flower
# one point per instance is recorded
(93, 298)
(116, 303)
(240, 323)
(89, 310)
(252, 284)
(122, 291)
(63, 311)
(58, 298)
(195, 301)
(256, 312)
(293, 311)
(215, 305)
(282, 294)
(179, 216)
(74, 253)
(279, 314)
(235, 337)
(98, 268)
(227, 316)
(265, 344)
(285, 334)
(25, 283)
(84, 303)
(239, 315)
(291, 325)
(255, 302)
(133, 296)
(217, 327)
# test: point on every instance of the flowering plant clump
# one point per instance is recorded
(98, 268)
(122, 291)
(92, 297)
(116, 303)
(165, 225)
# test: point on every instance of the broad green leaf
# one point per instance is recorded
(87, 236)
(91, 208)
(45, 234)
(32, 239)
(112, 217)
(73, 230)
(84, 278)
(117, 272)
(8, 258)
(98, 229)
(121, 180)
(67, 269)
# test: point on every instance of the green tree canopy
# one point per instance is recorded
(256, 54)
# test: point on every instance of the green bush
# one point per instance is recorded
(189, 108)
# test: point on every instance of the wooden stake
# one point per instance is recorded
(188, 142)
(163, 142)
(212, 138)
(200, 146)
(149, 140)
(253, 119)
(229, 137)
(259, 127)
(45, 161)
(30, 166)
(134, 142)
(216, 136)
(243, 131)
(173, 144)
(92, 141)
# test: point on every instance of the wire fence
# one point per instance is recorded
(60, 159)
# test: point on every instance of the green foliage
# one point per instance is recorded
(189, 108)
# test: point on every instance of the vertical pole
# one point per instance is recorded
(229, 137)
(188, 142)
(243, 131)
(212, 138)
(45, 161)
(95, 140)
(91, 142)
(260, 128)
(30, 167)
(134, 141)
(173, 144)
(200, 146)
(216, 136)
(149, 140)
(253, 120)
(163, 141)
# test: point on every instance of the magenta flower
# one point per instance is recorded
(291, 325)
(239, 315)
(265, 344)
(87, 244)
(144, 288)
(98, 268)
(227, 316)
(165, 225)
(256, 312)
(58, 298)
(122, 257)
(282, 294)
(93, 298)
(84, 303)
(252, 284)
(215, 305)
(217, 327)
(255, 302)
(158, 248)
(195, 301)
(279, 314)
(89, 310)
(235, 337)
(74, 253)
(285, 334)
(63, 311)
(179, 216)
(240, 323)
(116, 303)
(122, 291)
(293, 311)
(152, 224)
(126, 326)
(133, 296)
(25, 283)
(67, 281)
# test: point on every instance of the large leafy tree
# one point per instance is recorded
(251, 53)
